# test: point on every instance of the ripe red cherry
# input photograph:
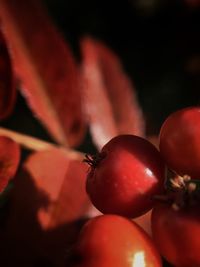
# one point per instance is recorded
(176, 234)
(114, 241)
(180, 141)
(125, 175)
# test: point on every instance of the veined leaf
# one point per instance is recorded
(46, 68)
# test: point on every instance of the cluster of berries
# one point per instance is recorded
(128, 178)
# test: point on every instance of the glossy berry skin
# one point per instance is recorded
(114, 241)
(126, 176)
(176, 234)
(180, 141)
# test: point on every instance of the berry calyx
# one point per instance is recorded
(181, 192)
(94, 160)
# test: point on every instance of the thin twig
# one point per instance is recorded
(35, 144)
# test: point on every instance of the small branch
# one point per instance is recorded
(26, 141)
(35, 144)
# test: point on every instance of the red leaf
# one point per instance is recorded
(9, 160)
(46, 67)
(145, 222)
(7, 84)
(48, 198)
(110, 101)
(61, 180)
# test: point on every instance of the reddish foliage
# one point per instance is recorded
(144, 221)
(46, 67)
(9, 160)
(62, 182)
(7, 84)
(110, 102)
(48, 197)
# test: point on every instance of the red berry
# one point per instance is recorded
(125, 175)
(114, 241)
(176, 234)
(180, 141)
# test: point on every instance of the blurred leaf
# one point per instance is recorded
(62, 180)
(145, 222)
(154, 139)
(46, 68)
(47, 200)
(110, 101)
(7, 83)
(9, 160)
